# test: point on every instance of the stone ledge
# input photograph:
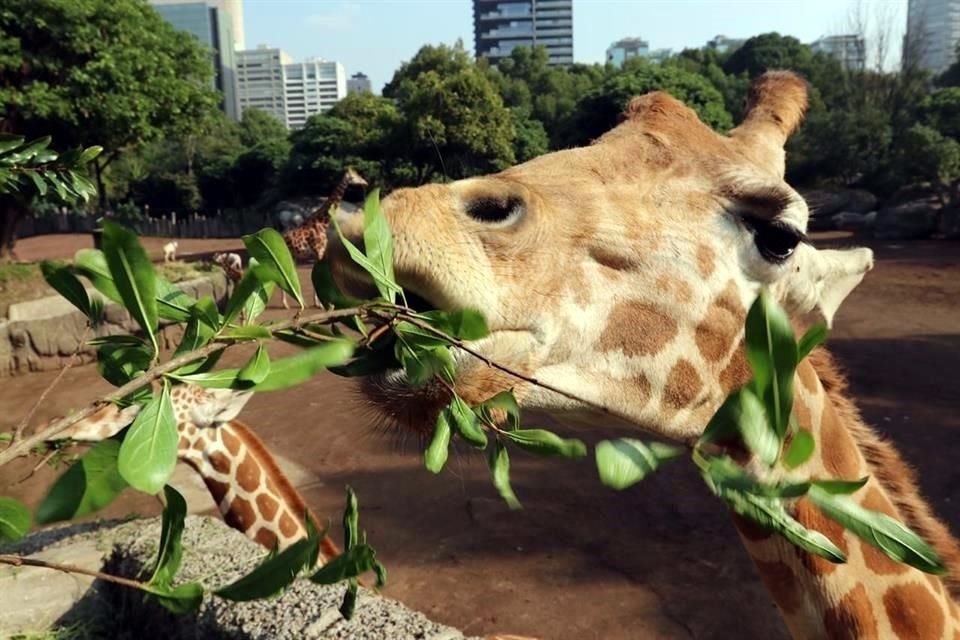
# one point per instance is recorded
(41, 335)
(37, 599)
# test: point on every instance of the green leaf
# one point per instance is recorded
(207, 312)
(436, 454)
(624, 462)
(352, 563)
(815, 336)
(368, 362)
(499, 461)
(274, 262)
(274, 574)
(248, 332)
(219, 379)
(170, 553)
(197, 334)
(61, 278)
(800, 450)
(772, 353)
(9, 142)
(378, 242)
(841, 487)
(256, 369)
(14, 519)
(119, 340)
(38, 183)
(120, 363)
(743, 412)
(385, 282)
(418, 337)
(465, 324)
(149, 450)
(546, 443)
(327, 289)
(503, 401)
(351, 519)
(133, 276)
(885, 533)
(349, 604)
(465, 422)
(89, 154)
(180, 600)
(289, 372)
(90, 484)
(92, 264)
(422, 365)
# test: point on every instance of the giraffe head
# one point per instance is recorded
(353, 179)
(621, 271)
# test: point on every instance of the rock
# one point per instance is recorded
(950, 223)
(860, 201)
(36, 599)
(909, 221)
(852, 221)
(826, 203)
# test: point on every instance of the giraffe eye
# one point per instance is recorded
(495, 210)
(775, 240)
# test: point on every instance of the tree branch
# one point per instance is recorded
(17, 561)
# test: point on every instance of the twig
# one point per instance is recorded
(18, 432)
(18, 561)
(37, 466)
(17, 449)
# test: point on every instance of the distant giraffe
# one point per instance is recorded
(232, 266)
(309, 240)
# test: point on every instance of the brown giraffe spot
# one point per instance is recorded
(749, 529)
(219, 462)
(782, 584)
(808, 376)
(812, 518)
(913, 611)
(266, 538)
(288, 526)
(875, 559)
(198, 445)
(636, 329)
(231, 442)
(217, 489)
(248, 474)
(268, 506)
(852, 618)
(737, 372)
(191, 430)
(838, 451)
(683, 385)
(720, 327)
(240, 515)
(671, 286)
(183, 443)
(705, 260)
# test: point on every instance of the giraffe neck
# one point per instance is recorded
(322, 213)
(246, 483)
(870, 596)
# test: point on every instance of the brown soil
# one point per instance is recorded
(659, 561)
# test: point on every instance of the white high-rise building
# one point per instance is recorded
(933, 31)
(268, 79)
(849, 50)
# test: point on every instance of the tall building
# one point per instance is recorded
(723, 44)
(359, 83)
(214, 24)
(848, 50)
(933, 32)
(626, 48)
(500, 26)
(268, 79)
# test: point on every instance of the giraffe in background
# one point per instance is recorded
(309, 240)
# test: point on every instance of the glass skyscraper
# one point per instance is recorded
(500, 26)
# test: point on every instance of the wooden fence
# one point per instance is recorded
(172, 226)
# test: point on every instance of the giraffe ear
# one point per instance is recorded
(822, 279)
(222, 405)
(775, 106)
(103, 424)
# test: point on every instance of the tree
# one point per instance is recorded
(927, 154)
(531, 138)
(442, 59)
(106, 71)
(601, 109)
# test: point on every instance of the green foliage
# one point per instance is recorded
(624, 462)
(90, 484)
(149, 451)
(15, 519)
(274, 262)
(133, 277)
(31, 169)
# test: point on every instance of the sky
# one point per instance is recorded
(375, 36)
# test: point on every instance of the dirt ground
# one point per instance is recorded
(659, 561)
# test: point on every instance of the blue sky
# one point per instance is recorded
(375, 36)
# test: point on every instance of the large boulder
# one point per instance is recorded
(825, 203)
(908, 221)
(853, 221)
(950, 223)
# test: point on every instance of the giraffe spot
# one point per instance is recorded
(875, 559)
(852, 618)
(705, 260)
(183, 443)
(268, 506)
(683, 385)
(782, 584)
(812, 518)
(240, 515)
(637, 329)
(288, 526)
(248, 474)
(231, 442)
(266, 538)
(737, 372)
(198, 445)
(191, 430)
(217, 489)
(219, 462)
(838, 451)
(673, 287)
(913, 611)
(808, 376)
(720, 327)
